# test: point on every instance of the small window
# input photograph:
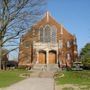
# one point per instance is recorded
(71, 43)
(68, 56)
(68, 44)
(27, 58)
(74, 42)
(27, 44)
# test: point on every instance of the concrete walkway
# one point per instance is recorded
(33, 84)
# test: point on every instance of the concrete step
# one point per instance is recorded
(38, 67)
(42, 74)
(44, 67)
(52, 67)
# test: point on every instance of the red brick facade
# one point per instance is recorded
(47, 42)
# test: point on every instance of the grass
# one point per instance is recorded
(9, 77)
(85, 88)
(68, 88)
(74, 77)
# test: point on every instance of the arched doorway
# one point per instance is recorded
(52, 57)
(42, 57)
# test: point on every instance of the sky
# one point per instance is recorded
(74, 15)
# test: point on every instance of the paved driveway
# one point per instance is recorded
(33, 84)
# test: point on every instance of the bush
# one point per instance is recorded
(85, 56)
(22, 67)
(86, 66)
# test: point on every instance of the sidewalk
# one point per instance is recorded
(33, 84)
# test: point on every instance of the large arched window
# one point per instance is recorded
(47, 35)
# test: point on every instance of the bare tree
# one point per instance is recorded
(4, 58)
(16, 16)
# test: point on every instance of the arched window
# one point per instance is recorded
(48, 34)
(47, 30)
(54, 32)
(41, 34)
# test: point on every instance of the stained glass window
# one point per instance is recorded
(47, 33)
(54, 38)
(41, 35)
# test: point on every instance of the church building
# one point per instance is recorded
(48, 42)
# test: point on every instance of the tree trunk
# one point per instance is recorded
(0, 53)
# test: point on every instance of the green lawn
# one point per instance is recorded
(9, 77)
(74, 77)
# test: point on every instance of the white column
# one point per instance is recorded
(57, 57)
(37, 58)
(47, 57)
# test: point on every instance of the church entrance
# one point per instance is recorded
(42, 57)
(52, 57)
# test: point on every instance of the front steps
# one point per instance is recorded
(45, 67)
(41, 74)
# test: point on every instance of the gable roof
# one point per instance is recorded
(48, 19)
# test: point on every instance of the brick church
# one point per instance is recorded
(47, 42)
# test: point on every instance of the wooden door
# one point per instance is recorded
(42, 57)
(52, 57)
